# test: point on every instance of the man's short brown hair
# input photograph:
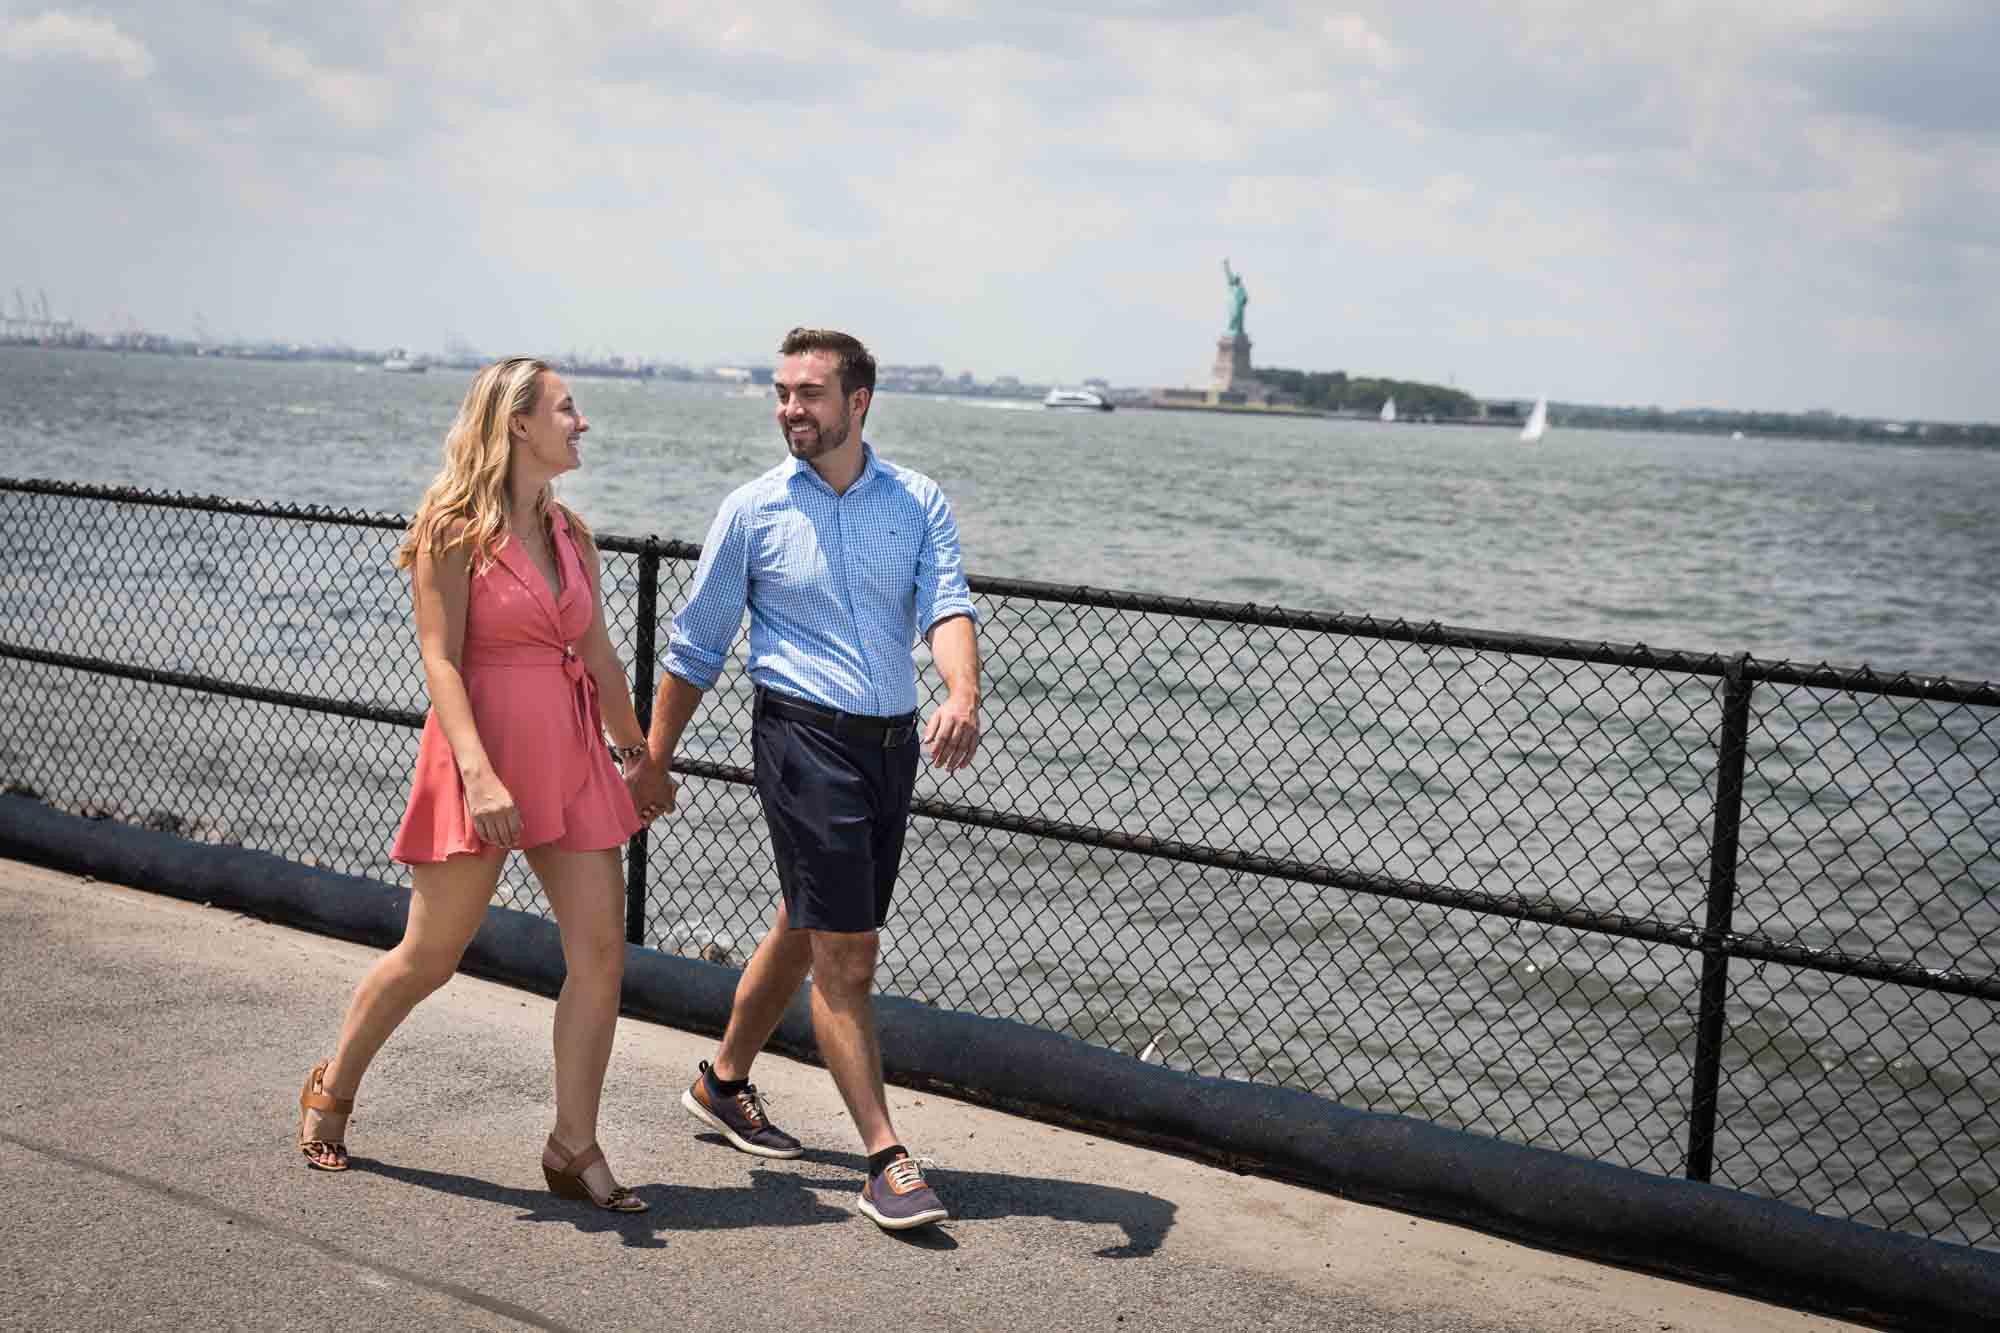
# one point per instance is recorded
(851, 361)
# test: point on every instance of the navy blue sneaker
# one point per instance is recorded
(740, 1119)
(897, 1197)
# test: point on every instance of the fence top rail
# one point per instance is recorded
(215, 504)
(355, 518)
(1862, 679)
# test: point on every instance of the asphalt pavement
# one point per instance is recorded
(150, 1059)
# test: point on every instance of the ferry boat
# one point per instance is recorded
(400, 362)
(1077, 400)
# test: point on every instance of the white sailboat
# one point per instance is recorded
(1389, 410)
(1538, 422)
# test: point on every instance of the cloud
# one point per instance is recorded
(1928, 69)
(54, 35)
(1355, 34)
(1704, 202)
(355, 100)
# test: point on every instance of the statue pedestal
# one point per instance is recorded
(1232, 368)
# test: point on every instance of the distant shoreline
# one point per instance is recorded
(1751, 425)
(1245, 410)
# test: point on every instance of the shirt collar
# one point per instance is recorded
(868, 471)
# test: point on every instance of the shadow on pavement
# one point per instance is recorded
(778, 1196)
(979, 1195)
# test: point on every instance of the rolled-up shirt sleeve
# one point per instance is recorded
(941, 588)
(707, 622)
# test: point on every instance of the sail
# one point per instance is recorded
(1538, 422)
(1389, 410)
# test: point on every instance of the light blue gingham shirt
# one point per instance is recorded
(837, 586)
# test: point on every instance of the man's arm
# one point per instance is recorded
(652, 779)
(952, 734)
(945, 610)
(673, 708)
(696, 650)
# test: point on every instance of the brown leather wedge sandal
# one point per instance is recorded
(567, 1182)
(322, 1154)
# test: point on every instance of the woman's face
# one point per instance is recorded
(547, 437)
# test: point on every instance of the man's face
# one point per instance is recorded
(814, 416)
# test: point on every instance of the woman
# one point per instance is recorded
(511, 623)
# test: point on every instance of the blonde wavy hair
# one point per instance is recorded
(466, 504)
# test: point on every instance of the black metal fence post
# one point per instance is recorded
(647, 612)
(1716, 927)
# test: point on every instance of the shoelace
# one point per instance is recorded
(907, 1173)
(753, 1103)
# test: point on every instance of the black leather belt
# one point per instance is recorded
(888, 732)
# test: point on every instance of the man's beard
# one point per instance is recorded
(824, 441)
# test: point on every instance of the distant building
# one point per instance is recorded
(910, 379)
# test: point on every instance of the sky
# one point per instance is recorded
(1781, 204)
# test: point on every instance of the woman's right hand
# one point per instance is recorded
(491, 805)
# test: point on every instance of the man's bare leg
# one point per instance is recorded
(763, 992)
(843, 968)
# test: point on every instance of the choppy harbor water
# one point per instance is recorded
(1783, 548)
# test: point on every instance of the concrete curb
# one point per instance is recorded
(1716, 1236)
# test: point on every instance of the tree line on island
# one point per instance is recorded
(1336, 391)
(1821, 425)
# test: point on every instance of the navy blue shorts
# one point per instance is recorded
(836, 794)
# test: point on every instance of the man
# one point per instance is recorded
(842, 559)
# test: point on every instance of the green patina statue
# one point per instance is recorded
(1238, 298)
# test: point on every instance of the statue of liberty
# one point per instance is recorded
(1238, 298)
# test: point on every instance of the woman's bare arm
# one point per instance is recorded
(441, 585)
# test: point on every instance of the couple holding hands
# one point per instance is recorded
(843, 560)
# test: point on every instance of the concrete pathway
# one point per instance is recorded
(150, 1058)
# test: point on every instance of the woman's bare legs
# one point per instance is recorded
(447, 902)
(588, 894)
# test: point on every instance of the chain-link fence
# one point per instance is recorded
(1691, 914)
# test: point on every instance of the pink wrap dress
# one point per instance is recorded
(537, 714)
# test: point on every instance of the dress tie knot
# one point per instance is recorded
(583, 691)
